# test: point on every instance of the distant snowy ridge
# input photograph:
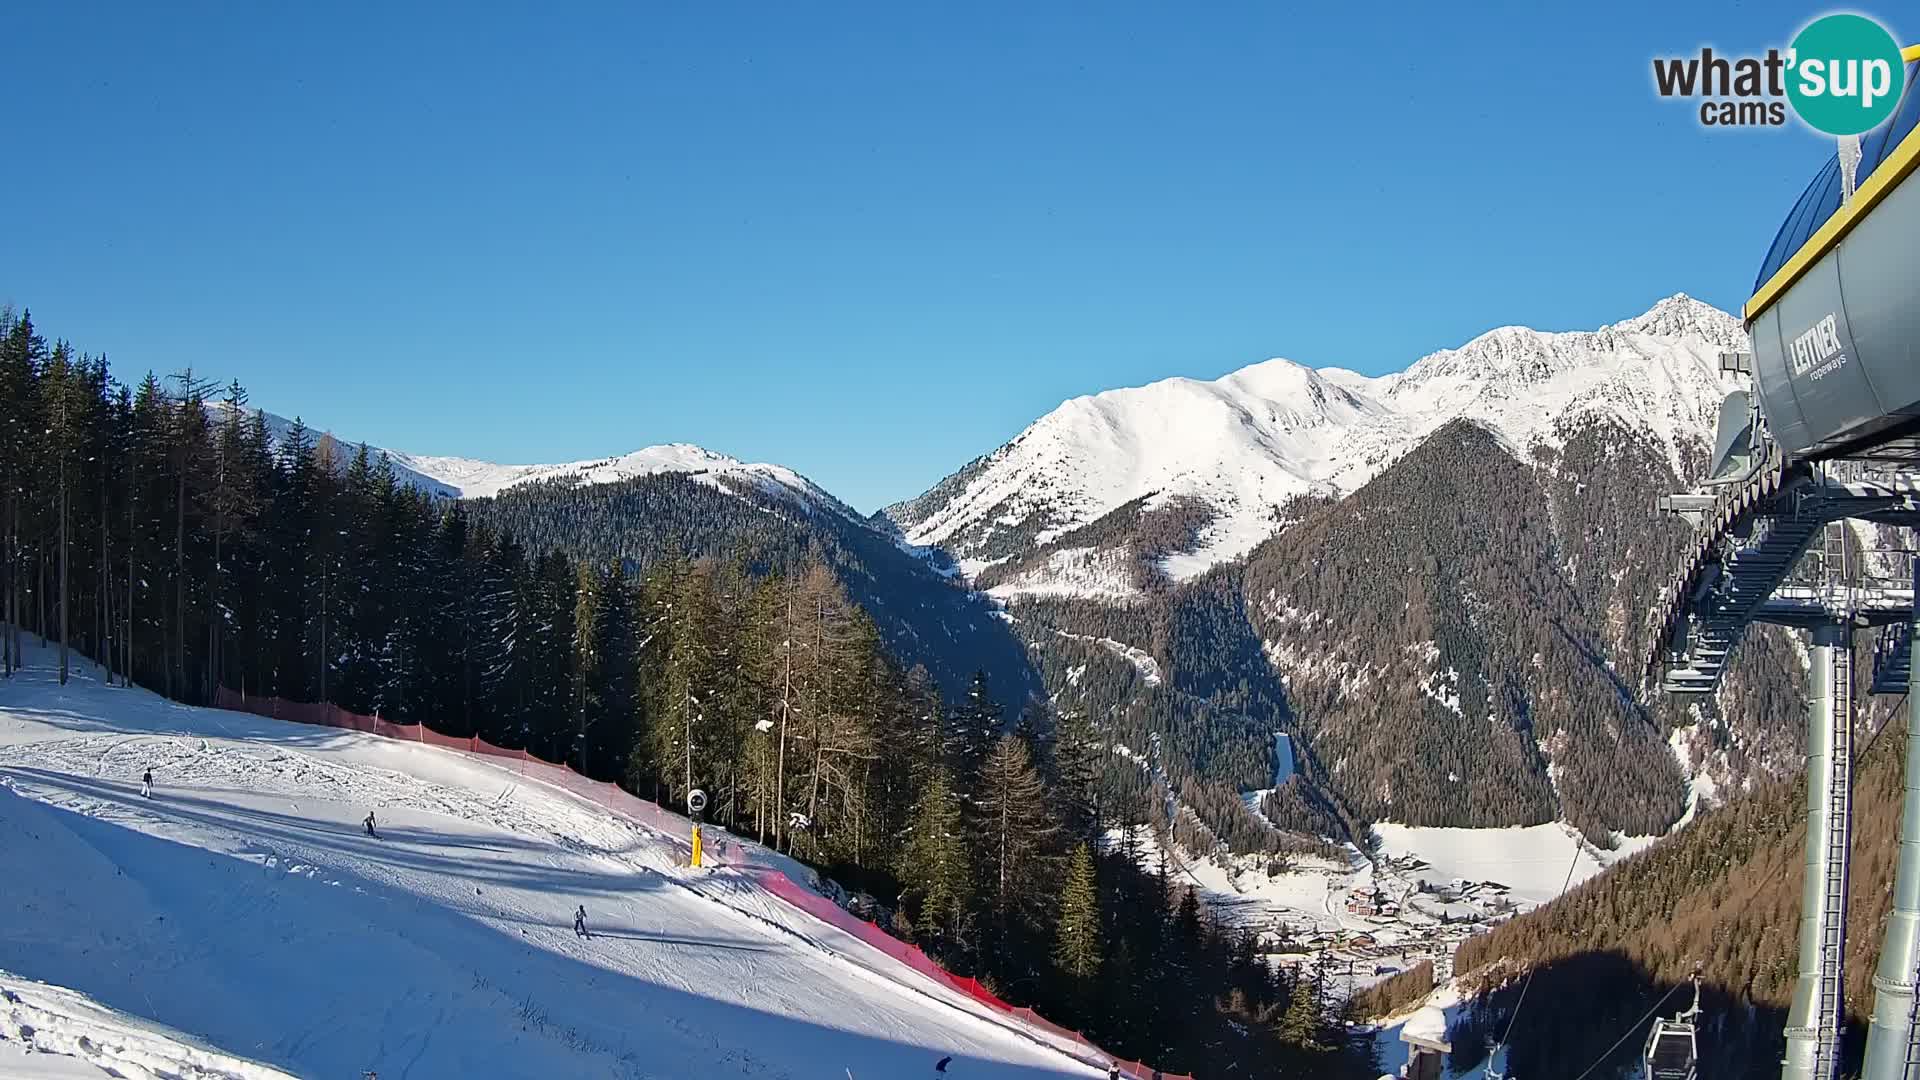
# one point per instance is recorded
(469, 478)
(1245, 443)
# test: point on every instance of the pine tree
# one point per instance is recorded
(1300, 1026)
(685, 657)
(553, 642)
(970, 728)
(1077, 754)
(188, 449)
(932, 863)
(362, 626)
(503, 609)
(231, 503)
(63, 438)
(1077, 951)
(612, 697)
(22, 422)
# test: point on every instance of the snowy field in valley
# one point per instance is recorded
(243, 908)
(1436, 886)
(1533, 861)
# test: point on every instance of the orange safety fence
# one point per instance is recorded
(769, 873)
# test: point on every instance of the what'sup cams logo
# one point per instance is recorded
(1842, 75)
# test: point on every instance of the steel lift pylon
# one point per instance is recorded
(1745, 568)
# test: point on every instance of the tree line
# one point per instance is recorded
(166, 534)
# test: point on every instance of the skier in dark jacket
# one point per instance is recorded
(580, 921)
(369, 824)
(940, 1068)
(146, 784)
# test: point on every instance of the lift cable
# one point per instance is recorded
(1886, 721)
(1528, 984)
(1886, 718)
(1627, 1034)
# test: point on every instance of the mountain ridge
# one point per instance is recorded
(1245, 443)
(454, 477)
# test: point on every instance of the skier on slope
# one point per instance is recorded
(580, 921)
(1113, 1072)
(146, 784)
(369, 824)
(940, 1067)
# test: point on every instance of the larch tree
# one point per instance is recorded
(1015, 832)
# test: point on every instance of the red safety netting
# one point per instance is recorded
(767, 870)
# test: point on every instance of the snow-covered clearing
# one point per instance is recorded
(1075, 572)
(244, 906)
(1283, 769)
(1532, 861)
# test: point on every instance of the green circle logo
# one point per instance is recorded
(1846, 74)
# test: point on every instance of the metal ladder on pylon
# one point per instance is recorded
(1912, 1069)
(1833, 944)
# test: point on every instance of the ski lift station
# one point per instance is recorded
(1823, 434)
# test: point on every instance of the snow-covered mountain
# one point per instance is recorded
(1231, 451)
(469, 478)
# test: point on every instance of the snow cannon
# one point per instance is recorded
(1835, 312)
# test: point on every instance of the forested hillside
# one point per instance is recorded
(923, 618)
(1197, 725)
(183, 548)
(1460, 639)
(1723, 895)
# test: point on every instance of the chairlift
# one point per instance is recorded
(1673, 1051)
(1496, 1060)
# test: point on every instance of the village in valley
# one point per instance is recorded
(1414, 898)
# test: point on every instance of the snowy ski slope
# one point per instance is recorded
(243, 906)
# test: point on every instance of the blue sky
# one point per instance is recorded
(868, 241)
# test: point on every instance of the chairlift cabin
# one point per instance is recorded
(1673, 1051)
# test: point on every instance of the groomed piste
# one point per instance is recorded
(244, 906)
